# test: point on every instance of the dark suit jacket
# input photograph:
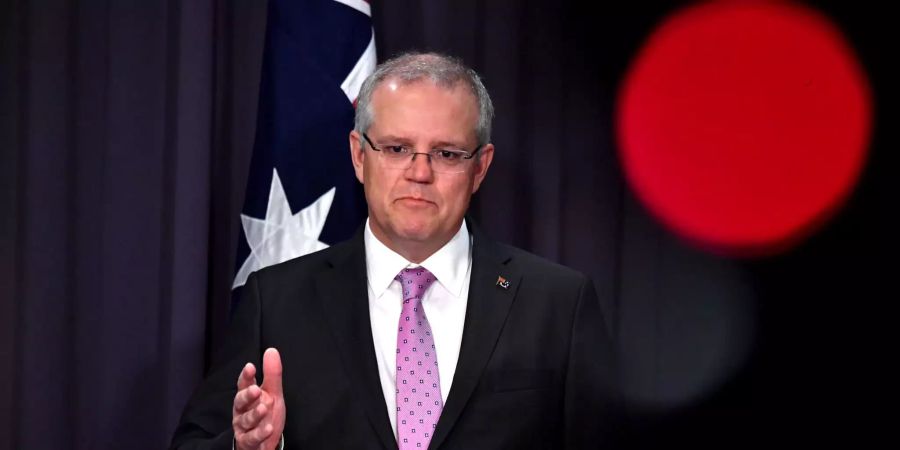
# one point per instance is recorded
(534, 370)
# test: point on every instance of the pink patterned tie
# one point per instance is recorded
(418, 384)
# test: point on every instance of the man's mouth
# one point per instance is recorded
(415, 200)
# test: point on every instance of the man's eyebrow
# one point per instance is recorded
(448, 144)
(391, 139)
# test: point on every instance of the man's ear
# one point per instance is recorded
(484, 158)
(357, 155)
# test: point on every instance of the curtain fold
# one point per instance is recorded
(132, 124)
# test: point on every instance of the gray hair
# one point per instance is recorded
(444, 71)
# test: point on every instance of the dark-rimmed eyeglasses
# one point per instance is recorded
(443, 160)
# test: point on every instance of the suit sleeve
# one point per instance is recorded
(206, 421)
(592, 406)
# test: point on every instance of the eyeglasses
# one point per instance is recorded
(443, 160)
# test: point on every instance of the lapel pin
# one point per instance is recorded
(503, 282)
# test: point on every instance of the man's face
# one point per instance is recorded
(417, 206)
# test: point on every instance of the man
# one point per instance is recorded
(419, 331)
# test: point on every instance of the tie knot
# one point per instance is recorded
(415, 282)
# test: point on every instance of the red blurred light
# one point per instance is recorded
(744, 125)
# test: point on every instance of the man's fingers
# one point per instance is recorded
(247, 376)
(245, 398)
(272, 372)
(257, 435)
(251, 418)
(253, 403)
(262, 432)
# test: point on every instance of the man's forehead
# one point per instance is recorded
(390, 98)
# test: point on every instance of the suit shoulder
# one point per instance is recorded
(302, 266)
(530, 263)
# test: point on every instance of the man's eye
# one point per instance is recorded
(448, 155)
(396, 149)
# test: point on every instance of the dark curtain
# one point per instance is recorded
(125, 134)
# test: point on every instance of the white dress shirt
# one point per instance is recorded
(444, 303)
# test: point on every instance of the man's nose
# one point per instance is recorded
(420, 168)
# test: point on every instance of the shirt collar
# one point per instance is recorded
(449, 264)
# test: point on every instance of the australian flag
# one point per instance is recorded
(301, 191)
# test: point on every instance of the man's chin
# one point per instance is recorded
(417, 234)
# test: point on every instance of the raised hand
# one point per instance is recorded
(258, 413)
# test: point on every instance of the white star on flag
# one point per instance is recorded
(281, 235)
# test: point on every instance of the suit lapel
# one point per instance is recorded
(488, 306)
(342, 290)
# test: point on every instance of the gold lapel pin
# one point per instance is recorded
(503, 282)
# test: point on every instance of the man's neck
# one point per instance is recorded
(414, 251)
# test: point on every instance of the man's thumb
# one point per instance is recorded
(272, 372)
